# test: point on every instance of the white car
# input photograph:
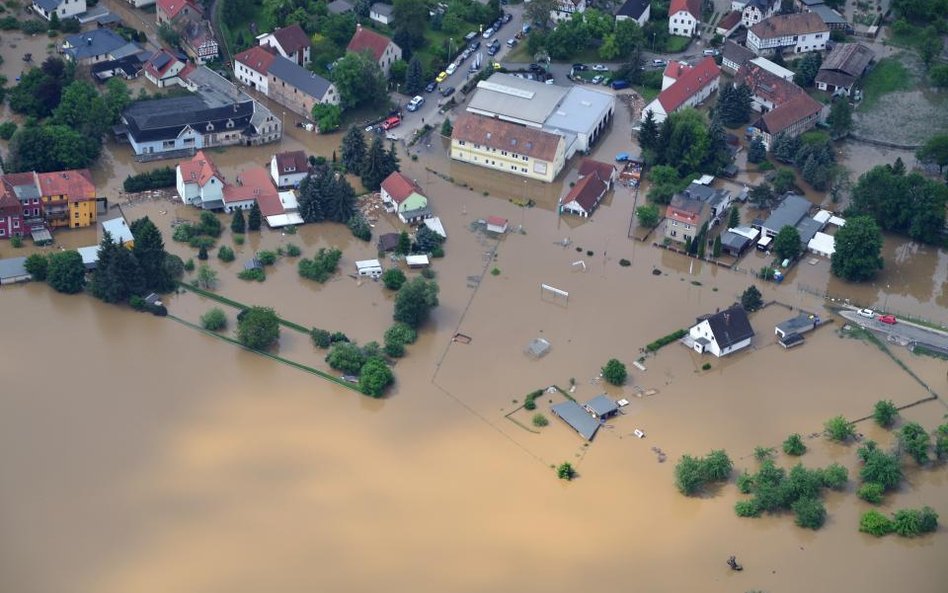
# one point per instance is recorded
(600, 68)
(867, 313)
(415, 103)
(596, 79)
(488, 33)
(452, 67)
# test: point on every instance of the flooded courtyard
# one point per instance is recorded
(137, 454)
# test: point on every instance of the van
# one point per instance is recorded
(618, 85)
(710, 53)
(470, 36)
(391, 122)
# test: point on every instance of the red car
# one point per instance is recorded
(890, 319)
(391, 122)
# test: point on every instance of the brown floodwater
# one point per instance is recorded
(137, 454)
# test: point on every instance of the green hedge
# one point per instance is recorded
(159, 178)
(662, 342)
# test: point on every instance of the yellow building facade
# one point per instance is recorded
(508, 147)
(68, 198)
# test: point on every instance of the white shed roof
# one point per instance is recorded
(434, 223)
(118, 228)
(288, 199)
(823, 216)
(823, 244)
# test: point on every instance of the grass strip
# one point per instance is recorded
(232, 303)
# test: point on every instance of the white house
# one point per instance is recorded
(289, 169)
(141, 3)
(381, 13)
(63, 8)
(683, 17)
(163, 68)
(635, 10)
(565, 9)
(757, 10)
(595, 180)
(199, 183)
(800, 32)
(722, 333)
(290, 42)
(684, 86)
(251, 67)
(382, 49)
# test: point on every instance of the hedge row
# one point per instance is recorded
(157, 179)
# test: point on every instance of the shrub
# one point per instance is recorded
(360, 228)
(258, 327)
(839, 430)
(396, 337)
(238, 239)
(393, 278)
(428, 274)
(375, 377)
(835, 476)
(747, 508)
(706, 366)
(214, 320)
(322, 266)
(136, 302)
(881, 468)
(614, 372)
(530, 405)
(7, 129)
(662, 342)
(915, 441)
(292, 250)
(693, 473)
(539, 420)
(907, 522)
(16, 241)
(875, 523)
(810, 513)
(885, 413)
(871, 492)
(338, 337)
(159, 178)
(346, 357)
(565, 471)
(625, 263)
(267, 258)
(225, 254)
(436, 252)
(320, 337)
(794, 445)
(253, 274)
(189, 265)
(745, 483)
(210, 225)
(762, 454)
(202, 253)
(201, 242)
(495, 272)
(183, 232)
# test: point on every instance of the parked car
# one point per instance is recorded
(867, 313)
(488, 33)
(511, 42)
(536, 68)
(441, 77)
(447, 91)
(596, 79)
(452, 67)
(618, 85)
(492, 51)
(710, 52)
(392, 122)
(506, 18)
(431, 86)
(600, 68)
(658, 63)
(888, 319)
(475, 45)
(580, 67)
(415, 103)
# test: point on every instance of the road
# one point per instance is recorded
(903, 331)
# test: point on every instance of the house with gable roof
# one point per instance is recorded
(166, 11)
(798, 32)
(684, 86)
(595, 180)
(843, 67)
(252, 185)
(405, 197)
(683, 17)
(564, 10)
(635, 10)
(199, 183)
(382, 13)
(505, 146)
(162, 68)
(64, 9)
(785, 107)
(289, 169)
(286, 82)
(757, 10)
(685, 217)
(290, 42)
(722, 333)
(382, 49)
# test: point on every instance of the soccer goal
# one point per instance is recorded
(551, 293)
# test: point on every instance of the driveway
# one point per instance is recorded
(903, 332)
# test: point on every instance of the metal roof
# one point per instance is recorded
(801, 323)
(12, 267)
(97, 42)
(574, 415)
(602, 405)
(788, 213)
(292, 73)
(118, 228)
(516, 99)
(580, 110)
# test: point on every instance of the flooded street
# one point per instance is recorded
(137, 454)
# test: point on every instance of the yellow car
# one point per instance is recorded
(441, 77)
(496, 66)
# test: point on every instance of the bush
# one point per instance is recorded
(794, 445)
(625, 263)
(322, 266)
(292, 250)
(136, 302)
(880, 468)
(225, 254)
(238, 239)
(693, 473)
(565, 470)
(267, 258)
(375, 377)
(437, 252)
(320, 337)
(871, 492)
(159, 178)
(210, 225)
(745, 482)
(706, 366)
(258, 328)
(495, 272)
(183, 232)
(839, 430)
(201, 242)
(614, 372)
(36, 265)
(885, 413)
(346, 357)
(252, 274)
(338, 337)
(16, 241)
(835, 476)
(214, 320)
(747, 508)
(751, 299)
(360, 227)
(393, 278)
(189, 265)
(915, 441)
(539, 420)
(662, 342)
(396, 337)
(7, 129)
(875, 523)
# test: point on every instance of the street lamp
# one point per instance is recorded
(450, 43)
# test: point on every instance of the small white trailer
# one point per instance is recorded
(369, 267)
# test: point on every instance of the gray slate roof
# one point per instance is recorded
(633, 8)
(733, 241)
(96, 42)
(158, 119)
(293, 74)
(602, 405)
(730, 326)
(789, 213)
(379, 8)
(339, 7)
(12, 267)
(808, 228)
(715, 198)
(48, 5)
(829, 16)
(574, 415)
(799, 324)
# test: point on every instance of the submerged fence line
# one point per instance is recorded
(237, 305)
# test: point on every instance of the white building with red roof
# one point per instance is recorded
(404, 196)
(168, 10)
(290, 42)
(684, 86)
(683, 17)
(199, 183)
(163, 68)
(595, 179)
(251, 67)
(253, 185)
(382, 49)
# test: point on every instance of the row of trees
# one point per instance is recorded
(775, 490)
(325, 195)
(591, 29)
(812, 153)
(371, 163)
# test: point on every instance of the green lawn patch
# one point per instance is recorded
(648, 93)
(676, 44)
(888, 76)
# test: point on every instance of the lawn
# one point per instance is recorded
(888, 76)
(648, 93)
(676, 44)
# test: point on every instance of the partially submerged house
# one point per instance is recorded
(785, 107)
(496, 224)
(737, 240)
(685, 218)
(601, 407)
(283, 80)
(289, 169)
(801, 324)
(595, 179)
(199, 183)
(404, 196)
(722, 333)
(63, 9)
(120, 232)
(577, 418)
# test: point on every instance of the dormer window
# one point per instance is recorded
(210, 127)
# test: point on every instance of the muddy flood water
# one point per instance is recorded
(140, 455)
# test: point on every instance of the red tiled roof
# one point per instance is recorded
(691, 6)
(400, 187)
(75, 184)
(688, 84)
(171, 8)
(150, 64)
(293, 161)
(729, 20)
(503, 135)
(796, 109)
(199, 169)
(366, 39)
(587, 192)
(255, 184)
(9, 204)
(605, 170)
(496, 221)
(676, 70)
(788, 25)
(292, 38)
(766, 84)
(258, 58)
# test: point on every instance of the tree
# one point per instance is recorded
(258, 328)
(941, 442)
(411, 20)
(787, 243)
(254, 218)
(810, 513)
(54, 23)
(375, 377)
(206, 277)
(149, 251)
(404, 244)
(359, 80)
(393, 278)
(807, 69)
(446, 128)
(784, 147)
(565, 470)
(716, 249)
(784, 181)
(202, 253)
(935, 151)
(885, 413)
(426, 240)
(840, 118)
(751, 299)
(839, 430)
(396, 337)
(689, 475)
(322, 266)
(346, 357)
(648, 135)
(734, 218)
(858, 247)
(414, 76)
(880, 468)
(614, 372)
(376, 166)
(51, 148)
(538, 12)
(353, 150)
(915, 441)
(733, 105)
(875, 523)
(648, 215)
(907, 204)
(756, 152)
(326, 195)
(415, 300)
(237, 224)
(66, 272)
(327, 116)
(214, 320)
(665, 183)
(83, 109)
(37, 265)
(794, 445)
(359, 227)
(761, 195)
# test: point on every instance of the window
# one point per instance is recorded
(36, 211)
(76, 215)
(3, 232)
(16, 223)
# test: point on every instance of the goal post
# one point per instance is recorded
(548, 292)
